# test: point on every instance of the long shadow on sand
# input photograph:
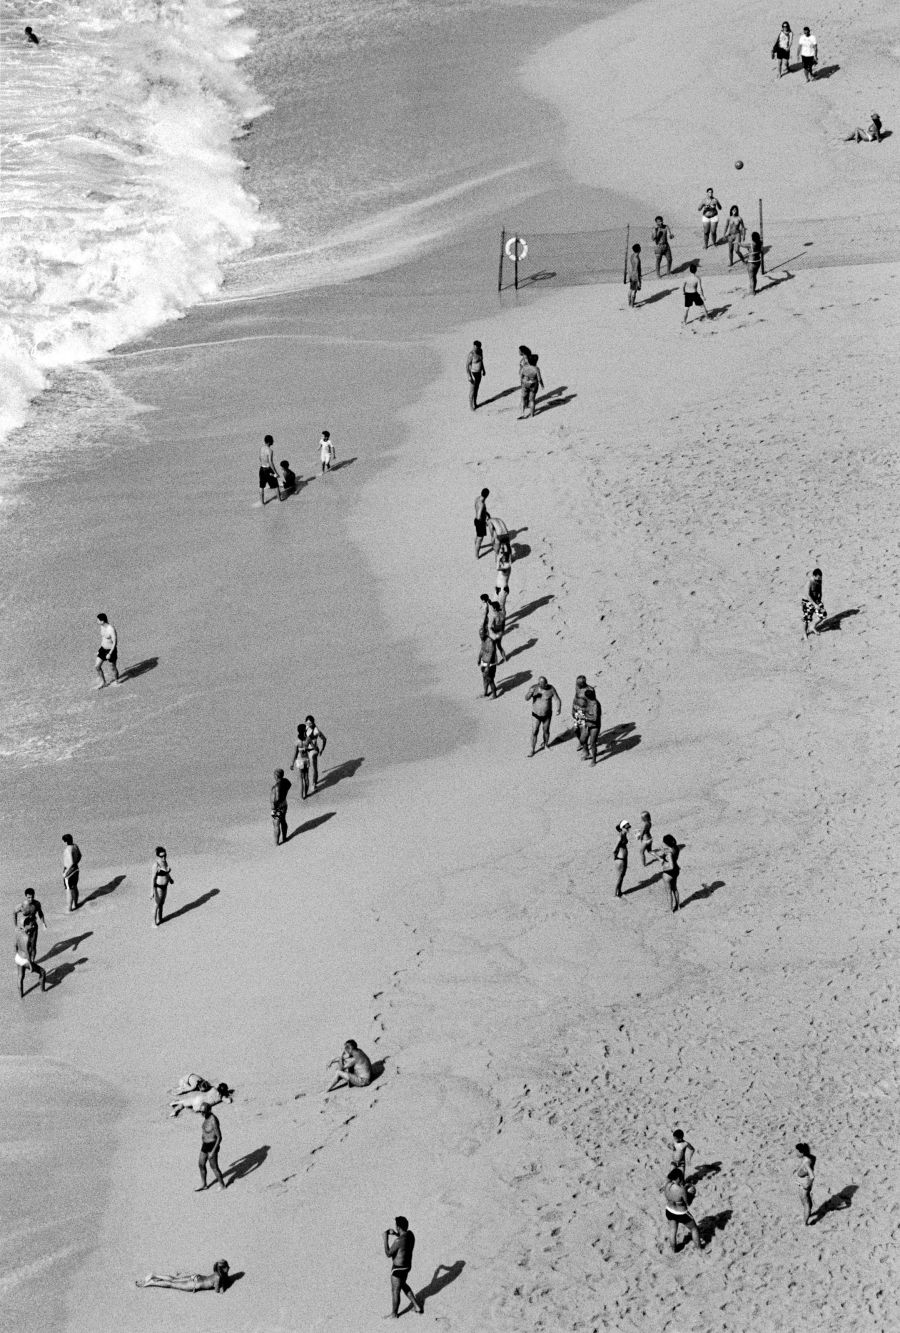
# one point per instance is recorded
(513, 682)
(442, 1276)
(657, 296)
(705, 891)
(245, 1165)
(344, 462)
(555, 398)
(702, 1172)
(834, 622)
(527, 609)
(644, 884)
(189, 907)
(61, 945)
(56, 975)
(836, 1204)
(339, 772)
(310, 824)
(504, 393)
(103, 890)
(522, 648)
(708, 1226)
(623, 736)
(139, 669)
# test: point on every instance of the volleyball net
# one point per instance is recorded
(573, 258)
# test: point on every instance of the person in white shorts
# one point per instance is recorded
(327, 453)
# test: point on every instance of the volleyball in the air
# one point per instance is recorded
(738, 165)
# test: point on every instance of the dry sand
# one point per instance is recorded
(455, 912)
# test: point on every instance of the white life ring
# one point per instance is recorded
(511, 249)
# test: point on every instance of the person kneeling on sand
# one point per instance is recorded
(678, 1198)
(356, 1068)
(218, 1280)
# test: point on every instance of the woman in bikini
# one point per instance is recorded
(805, 1175)
(752, 257)
(218, 1280)
(667, 856)
(645, 836)
(871, 135)
(620, 854)
(734, 233)
(300, 760)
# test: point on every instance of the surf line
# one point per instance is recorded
(331, 341)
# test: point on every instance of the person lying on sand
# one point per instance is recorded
(218, 1280)
(202, 1097)
(356, 1068)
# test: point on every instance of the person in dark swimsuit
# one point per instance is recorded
(32, 37)
(678, 1198)
(400, 1252)
(475, 372)
(481, 520)
(162, 878)
(300, 760)
(667, 855)
(210, 1143)
(26, 918)
(317, 742)
(280, 790)
(662, 235)
(589, 731)
(620, 855)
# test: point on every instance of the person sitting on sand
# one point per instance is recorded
(356, 1068)
(206, 1096)
(805, 1175)
(678, 1199)
(218, 1280)
(871, 135)
(288, 480)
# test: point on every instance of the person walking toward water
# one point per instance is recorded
(531, 380)
(218, 1280)
(620, 855)
(693, 292)
(475, 372)
(24, 956)
(662, 235)
(734, 233)
(541, 696)
(634, 275)
(667, 855)
(678, 1200)
(279, 795)
(487, 665)
(805, 1175)
(400, 1252)
(317, 741)
(26, 916)
(210, 1143)
(268, 476)
(327, 454)
(108, 652)
(682, 1153)
(710, 208)
(496, 629)
(71, 862)
(162, 878)
(812, 605)
(482, 517)
(808, 51)
(781, 51)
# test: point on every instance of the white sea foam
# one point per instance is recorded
(122, 195)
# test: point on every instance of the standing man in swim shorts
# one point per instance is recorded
(268, 475)
(400, 1252)
(693, 292)
(475, 372)
(280, 790)
(487, 664)
(108, 652)
(678, 1214)
(71, 861)
(482, 518)
(162, 878)
(710, 208)
(808, 51)
(530, 379)
(634, 275)
(26, 917)
(662, 234)
(210, 1143)
(541, 696)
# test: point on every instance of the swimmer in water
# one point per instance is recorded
(218, 1280)
(32, 37)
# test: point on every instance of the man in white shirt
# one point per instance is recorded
(808, 50)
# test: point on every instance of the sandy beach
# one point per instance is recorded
(443, 898)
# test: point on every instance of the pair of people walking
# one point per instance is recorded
(311, 742)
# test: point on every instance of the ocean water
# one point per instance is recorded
(142, 174)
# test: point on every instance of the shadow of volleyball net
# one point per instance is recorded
(535, 259)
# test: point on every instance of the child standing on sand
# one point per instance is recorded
(634, 275)
(327, 452)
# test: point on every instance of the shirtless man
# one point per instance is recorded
(108, 652)
(210, 1143)
(268, 475)
(541, 696)
(678, 1198)
(71, 861)
(400, 1252)
(812, 605)
(682, 1152)
(26, 917)
(487, 665)
(482, 518)
(589, 731)
(25, 959)
(692, 289)
(356, 1068)
(280, 789)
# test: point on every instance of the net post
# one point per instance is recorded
(762, 236)
(500, 269)
(516, 266)
(627, 239)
